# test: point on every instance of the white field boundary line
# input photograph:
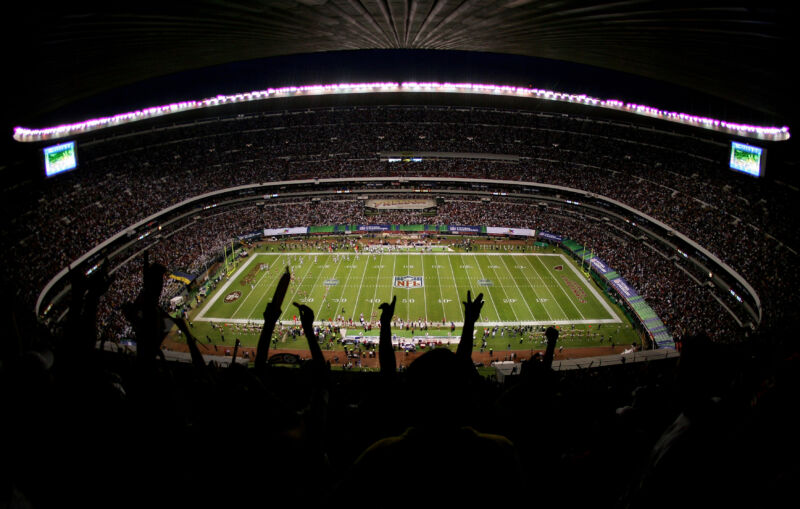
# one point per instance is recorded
(221, 291)
(592, 289)
(274, 277)
(560, 286)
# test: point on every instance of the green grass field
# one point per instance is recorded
(519, 289)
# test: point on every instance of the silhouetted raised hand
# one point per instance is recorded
(86, 293)
(145, 315)
(552, 336)
(271, 314)
(191, 341)
(388, 362)
(317, 416)
(235, 352)
(307, 321)
(472, 311)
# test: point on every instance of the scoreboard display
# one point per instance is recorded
(60, 158)
(748, 159)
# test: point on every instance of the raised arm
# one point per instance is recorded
(271, 315)
(82, 321)
(552, 336)
(307, 320)
(472, 310)
(145, 315)
(235, 352)
(386, 357)
(197, 358)
(317, 414)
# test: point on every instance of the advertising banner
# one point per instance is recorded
(600, 266)
(321, 229)
(298, 230)
(463, 229)
(522, 232)
(373, 227)
(550, 236)
(623, 288)
(251, 236)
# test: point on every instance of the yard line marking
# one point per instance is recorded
(548, 289)
(563, 290)
(488, 292)
(441, 297)
(501, 287)
(549, 317)
(424, 287)
(375, 293)
(518, 290)
(335, 273)
(358, 296)
(349, 273)
(299, 284)
(274, 278)
(455, 285)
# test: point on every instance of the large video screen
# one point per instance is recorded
(747, 159)
(60, 158)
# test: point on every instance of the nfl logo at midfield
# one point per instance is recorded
(408, 281)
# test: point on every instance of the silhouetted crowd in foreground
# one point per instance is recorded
(86, 428)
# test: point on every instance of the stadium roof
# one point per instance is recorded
(68, 51)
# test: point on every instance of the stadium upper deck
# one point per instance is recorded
(677, 176)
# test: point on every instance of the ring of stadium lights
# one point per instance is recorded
(24, 134)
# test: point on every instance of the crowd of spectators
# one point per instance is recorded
(678, 179)
(684, 304)
(98, 430)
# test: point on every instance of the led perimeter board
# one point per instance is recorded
(60, 158)
(748, 159)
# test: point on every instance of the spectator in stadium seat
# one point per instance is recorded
(697, 457)
(440, 387)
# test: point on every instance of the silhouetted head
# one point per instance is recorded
(440, 385)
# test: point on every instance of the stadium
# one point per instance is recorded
(263, 254)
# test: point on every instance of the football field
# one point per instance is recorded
(519, 288)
